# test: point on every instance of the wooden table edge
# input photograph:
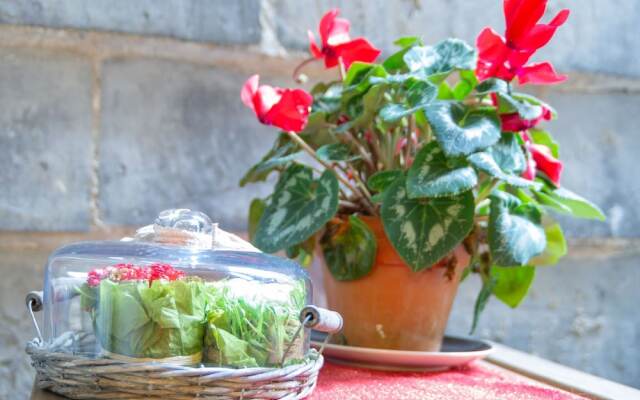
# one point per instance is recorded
(560, 376)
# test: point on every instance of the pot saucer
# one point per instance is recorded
(456, 352)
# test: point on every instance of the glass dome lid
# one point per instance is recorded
(183, 291)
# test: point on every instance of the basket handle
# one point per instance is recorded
(34, 304)
(321, 319)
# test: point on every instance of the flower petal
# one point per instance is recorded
(545, 162)
(333, 30)
(539, 73)
(265, 99)
(313, 47)
(541, 34)
(290, 113)
(492, 54)
(249, 89)
(521, 16)
(356, 50)
(514, 123)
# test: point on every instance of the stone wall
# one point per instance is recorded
(111, 111)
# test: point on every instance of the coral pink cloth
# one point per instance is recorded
(480, 380)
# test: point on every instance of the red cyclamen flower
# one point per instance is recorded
(288, 109)
(505, 57)
(541, 159)
(337, 45)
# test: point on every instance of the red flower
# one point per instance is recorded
(337, 45)
(288, 109)
(130, 272)
(541, 159)
(514, 123)
(505, 57)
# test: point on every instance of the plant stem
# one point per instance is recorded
(342, 70)
(411, 128)
(296, 72)
(363, 152)
(328, 166)
(486, 192)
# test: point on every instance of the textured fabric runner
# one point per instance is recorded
(480, 380)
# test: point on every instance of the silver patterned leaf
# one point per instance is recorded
(423, 231)
(299, 207)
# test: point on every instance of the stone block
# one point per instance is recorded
(45, 140)
(175, 135)
(229, 22)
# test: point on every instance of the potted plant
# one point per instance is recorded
(424, 167)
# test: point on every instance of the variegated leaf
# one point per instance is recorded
(515, 233)
(299, 207)
(423, 231)
(445, 57)
(349, 249)
(461, 130)
(508, 154)
(381, 180)
(432, 175)
(485, 162)
(282, 153)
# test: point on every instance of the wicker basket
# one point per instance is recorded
(82, 377)
(65, 366)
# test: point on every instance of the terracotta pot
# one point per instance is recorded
(393, 307)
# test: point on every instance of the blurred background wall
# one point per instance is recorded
(111, 111)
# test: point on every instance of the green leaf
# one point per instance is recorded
(395, 61)
(363, 82)
(485, 162)
(281, 154)
(551, 203)
(515, 234)
(524, 97)
(445, 92)
(441, 59)
(371, 103)
(300, 205)
(330, 101)
(256, 209)
(509, 103)
(303, 252)
(543, 137)
(492, 85)
(508, 154)
(512, 283)
(357, 72)
(423, 231)
(578, 206)
(556, 246)
(336, 152)
(432, 175)
(465, 86)
(419, 94)
(317, 133)
(349, 249)
(462, 130)
(408, 41)
(481, 302)
(381, 180)
(393, 112)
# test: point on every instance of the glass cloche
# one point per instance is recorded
(180, 291)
